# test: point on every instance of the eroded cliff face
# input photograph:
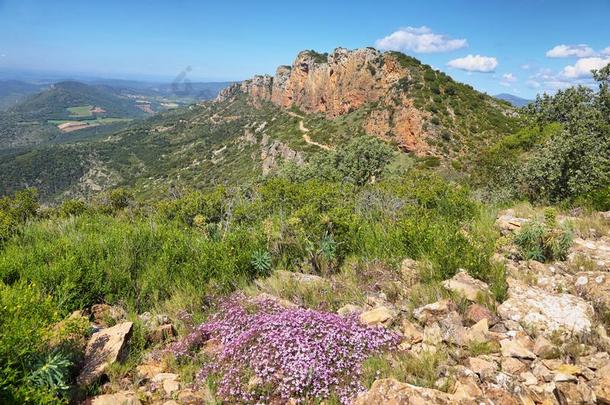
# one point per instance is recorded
(339, 83)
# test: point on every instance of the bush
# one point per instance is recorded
(544, 241)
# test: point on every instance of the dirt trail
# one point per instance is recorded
(306, 137)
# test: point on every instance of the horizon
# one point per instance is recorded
(550, 45)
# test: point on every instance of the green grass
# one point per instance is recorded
(80, 111)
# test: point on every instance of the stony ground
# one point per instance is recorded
(547, 343)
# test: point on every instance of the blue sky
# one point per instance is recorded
(232, 40)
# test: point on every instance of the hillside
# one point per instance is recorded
(14, 91)
(252, 128)
(514, 100)
(92, 110)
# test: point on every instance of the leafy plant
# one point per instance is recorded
(52, 372)
(544, 241)
(261, 261)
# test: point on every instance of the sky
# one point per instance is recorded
(519, 47)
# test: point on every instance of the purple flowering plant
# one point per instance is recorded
(272, 353)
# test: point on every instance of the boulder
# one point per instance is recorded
(434, 312)
(508, 222)
(513, 348)
(378, 316)
(411, 333)
(103, 349)
(462, 283)
(477, 312)
(545, 312)
(122, 398)
(596, 250)
(485, 369)
(602, 385)
(594, 286)
(390, 391)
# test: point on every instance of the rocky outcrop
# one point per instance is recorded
(104, 348)
(390, 391)
(339, 83)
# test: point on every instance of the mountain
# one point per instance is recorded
(514, 100)
(319, 102)
(14, 91)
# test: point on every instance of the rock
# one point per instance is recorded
(479, 332)
(508, 223)
(579, 393)
(528, 378)
(411, 333)
(103, 349)
(594, 361)
(190, 397)
(596, 250)
(280, 301)
(594, 286)
(301, 278)
(170, 386)
(544, 348)
(466, 391)
(512, 348)
(349, 309)
(409, 272)
(390, 391)
(378, 316)
(106, 315)
(149, 370)
(433, 335)
(122, 398)
(462, 283)
(499, 396)
(434, 312)
(161, 334)
(452, 329)
(484, 369)
(546, 312)
(602, 385)
(513, 366)
(159, 378)
(477, 312)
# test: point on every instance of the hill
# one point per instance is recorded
(64, 108)
(14, 91)
(514, 100)
(254, 127)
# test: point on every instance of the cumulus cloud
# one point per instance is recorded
(420, 40)
(583, 67)
(606, 51)
(567, 51)
(475, 63)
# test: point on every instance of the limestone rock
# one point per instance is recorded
(508, 222)
(378, 316)
(434, 312)
(349, 309)
(596, 250)
(122, 398)
(484, 368)
(462, 283)
(602, 385)
(103, 349)
(546, 312)
(411, 333)
(594, 286)
(512, 348)
(477, 312)
(513, 366)
(390, 391)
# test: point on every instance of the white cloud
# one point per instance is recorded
(583, 67)
(420, 40)
(567, 51)
(475, 63)
(606, 51)
(509, 77)
(533, 84)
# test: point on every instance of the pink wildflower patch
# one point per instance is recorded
(271, 352)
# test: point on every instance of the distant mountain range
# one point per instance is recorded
(514, 100)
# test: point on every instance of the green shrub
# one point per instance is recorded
(544, 241)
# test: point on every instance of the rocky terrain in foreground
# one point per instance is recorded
(546, 343)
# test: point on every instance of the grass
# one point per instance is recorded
(80, 111)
